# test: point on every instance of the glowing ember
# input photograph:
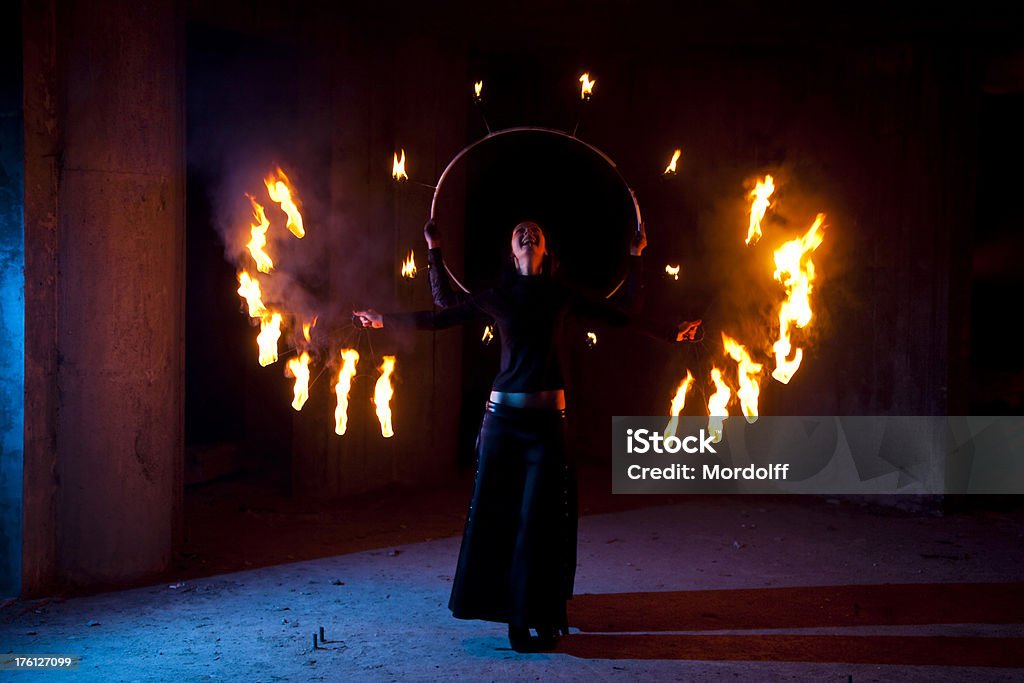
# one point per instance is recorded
(249, 289)
(591, 340)
(349, 358)
(717, 409)
(671, 168)
(795, 270)
(588, 86)
(282, 192)
(258, 230)
(382, 394)
(478, 88)
(748, 372)
(488, 335)
(672, 271)
(760, 195)
(678, 403)
(409, 267)
(299, 369)
(398, 168)
(270, 332)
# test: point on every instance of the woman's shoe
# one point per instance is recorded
(547, 638)
(519, 638)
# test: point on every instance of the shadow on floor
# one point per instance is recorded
(626, 625)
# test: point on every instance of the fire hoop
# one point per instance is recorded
(542, 131)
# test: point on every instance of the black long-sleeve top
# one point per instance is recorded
(529, 312)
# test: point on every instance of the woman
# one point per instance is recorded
(517, 562)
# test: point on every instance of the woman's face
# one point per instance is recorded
(528, 245)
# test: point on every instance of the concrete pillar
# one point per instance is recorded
(104, 454)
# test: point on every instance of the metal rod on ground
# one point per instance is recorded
(322, 639)
(315, 647)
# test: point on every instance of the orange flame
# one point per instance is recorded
(349, 359)
(760, 195)
(795, 270)
(488, 335)
(270, 332)
(588, 86)
(678, 403)
(299, 369)
(748, 372)
(409, 266)
(478, 88)
(671, 168)
(673, 271)
(307, 329)
(717, 405)
(398, 168)
(591, 340)
(282, 192)
(249, 289)
(258, 240)
(382, 394)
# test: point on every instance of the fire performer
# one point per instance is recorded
(517, 562)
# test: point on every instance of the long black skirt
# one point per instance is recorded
(517, 563)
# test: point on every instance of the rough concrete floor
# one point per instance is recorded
(709, 589)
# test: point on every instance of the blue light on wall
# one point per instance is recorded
(12, 305)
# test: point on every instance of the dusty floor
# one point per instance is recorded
(704, 589)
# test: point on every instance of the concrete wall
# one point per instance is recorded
(383, 99)
(12, 302)
(104, 229)
(873, 124)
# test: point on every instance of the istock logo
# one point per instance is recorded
(646, 441)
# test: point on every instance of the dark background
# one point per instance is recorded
(896, 126)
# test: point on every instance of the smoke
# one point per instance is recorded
(248, 115)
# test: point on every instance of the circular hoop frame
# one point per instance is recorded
(531, 129)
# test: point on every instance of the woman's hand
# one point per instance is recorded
(432, 234)
(688, 330)
(369, 318)
(639, 242)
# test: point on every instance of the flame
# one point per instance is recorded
(673, 271)
(270, 332)
(307, 329)
(795, 270)
(748, 372)
(717, 409)
(678, 402)
(349, 358)
(398, 168)
(299, 369)
(591, 340)
(382, 394)
(488, 335)
(258, 230)
(588, 86)
(478, 88)
(282, 192)
(671, 168)
(249, 289)
(409, 266)
(760, 195)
